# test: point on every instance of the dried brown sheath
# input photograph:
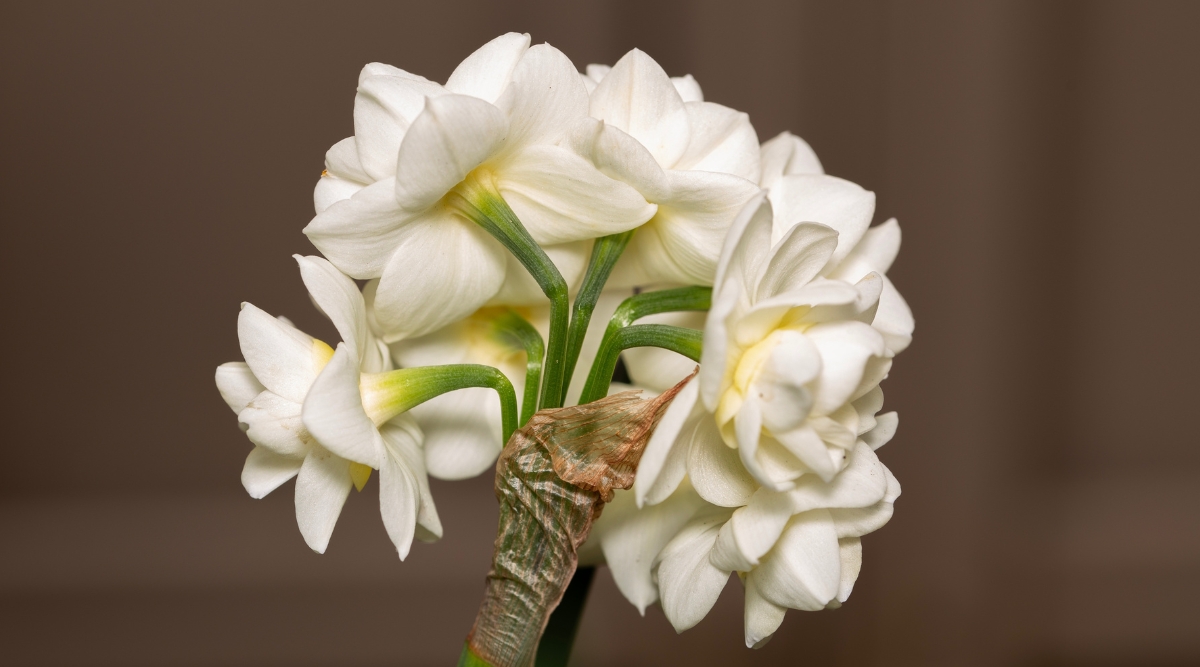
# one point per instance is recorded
(552, 481)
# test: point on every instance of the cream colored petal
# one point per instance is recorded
(885, 429)
(462, 432)
(283, 358)
(803, 571)
(359, 234)
(384, 108)
(274, 422)
(835, 202)
(638, 97)
(403, 439)
(717, 473)
(321, 489)
(618, 155)
(850, 550)
(688, 583)
(664, 460)
(723, 140)
(688, 89)
(875, 252)
(845, 347)
(632, 538)
(444, 269)
(266, 471)
(334, 414)
(331, 190)
(787, 154)
(796, 259)
(548, 97)
(561, 197)
(237, 384)
(486, 72)
(338, 298)
(342, 162)
(762, 617)
(893, 318)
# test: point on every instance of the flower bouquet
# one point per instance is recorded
(493, 249)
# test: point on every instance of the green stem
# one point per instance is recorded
(631, 310)
(687, 342)
(404, 389)
(479, 200)
(518, 332)
(555, 647)
(605, 253)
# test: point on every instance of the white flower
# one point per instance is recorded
(787, 155)
(390, 205)
(697, 160)
(291, 399)
(797, 549)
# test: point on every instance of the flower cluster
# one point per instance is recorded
(473, 212)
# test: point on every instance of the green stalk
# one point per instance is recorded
(478, 199)
(519, 333)
(404, 389)
(687, 342)
(605, 253)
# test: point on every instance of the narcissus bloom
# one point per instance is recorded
(698, 161)
(291, 398)
(397, 199)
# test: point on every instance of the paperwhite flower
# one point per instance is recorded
(797, 549)
(390, 203)
(292, 399)
(697, 160)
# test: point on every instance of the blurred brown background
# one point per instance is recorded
(1042, 157)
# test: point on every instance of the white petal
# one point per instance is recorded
(861, 484)
(715, 470)
(723, 140)
(664, 460)
(867, 406)
(283, 358)
(237, 384)
(339, 299)
(342, 162)
(851, 555)
(486, 72)
(359, 234)
(688, 583)
(799, 256)
(875, 252)
(399, 500)
(383, 69)
(631, 539)
(274, 422)
(808, 448)
(751, 531)
(787, 154)
(781, 386)
(321, 490)
(452, 136)
(462, 432)
(617, 154)
(548, 97)
(597, 72)
(681, 244)
(331, 190)
(893, 318)
(831, 201)
(858, 521)
(384, 108)
(745, 246)
(403, 437)
(444, 269)
(803, 571)
(686, 86)
(266, 471)
(638, 97)
(588, 84)
(334, 414)
(561, 197)
(845, 347)
(763, 617)
(885, 429)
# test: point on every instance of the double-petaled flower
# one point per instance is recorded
(327, 417)
(400, 199)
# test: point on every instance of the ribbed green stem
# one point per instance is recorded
(665, 301)
(605, 253)
(401, 390)
(518, 332)
(479, 200)
(687, 342)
